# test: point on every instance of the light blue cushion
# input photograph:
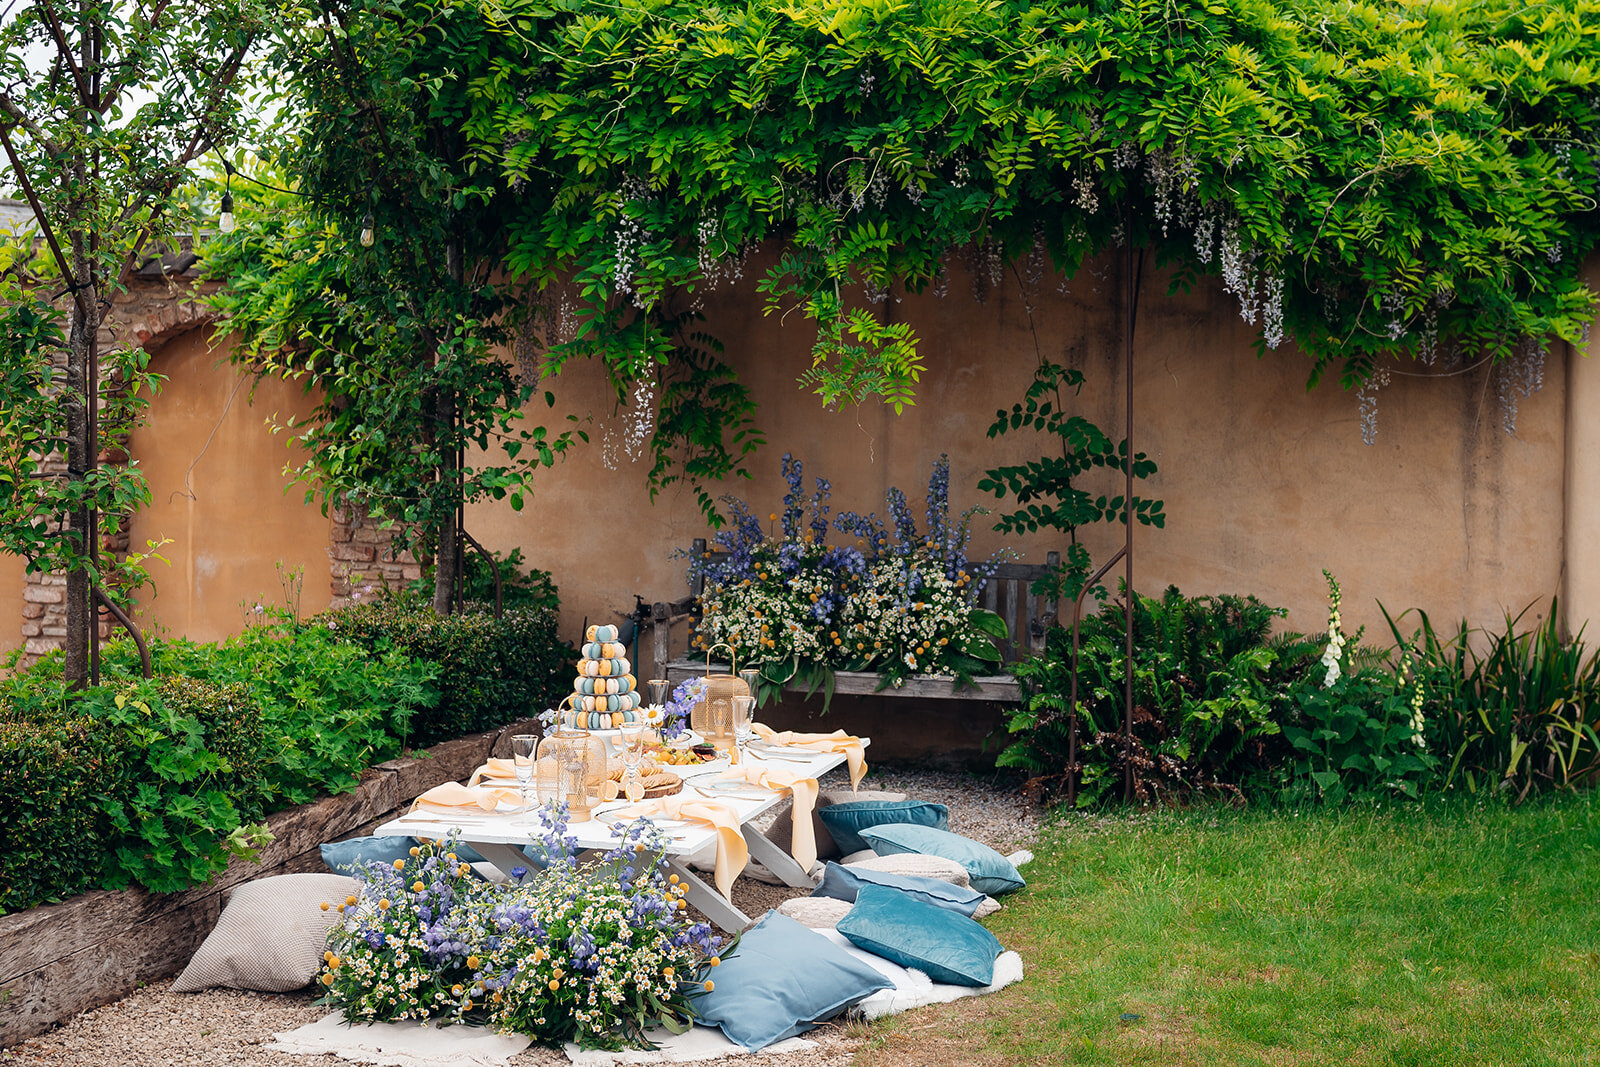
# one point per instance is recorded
(346, 857)
(844, 883)
(991, 872)
(782, 980)
(945, 945)
(846, 821)
(342, 857)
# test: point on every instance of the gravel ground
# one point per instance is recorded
(226, 1028)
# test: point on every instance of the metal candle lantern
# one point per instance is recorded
(713, 717)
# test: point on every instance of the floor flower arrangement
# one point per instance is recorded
(898, 602)
(596, 953)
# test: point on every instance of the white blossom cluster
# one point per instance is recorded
(1519, 378)
(770, 618)
(1367, 404)
(630, 237)
(886, 620)
(1334, 653)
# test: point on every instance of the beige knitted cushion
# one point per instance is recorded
(921, 866)
(987, 907)
(819, 913)
(781, 832)
(857, 857)
(271, 935)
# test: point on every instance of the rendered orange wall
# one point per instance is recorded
(1265, 483)
(216, 477)
(11, 572)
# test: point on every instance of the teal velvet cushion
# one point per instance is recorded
(844, 883)
(945, 945)
(991, 872)
(846, 821)
(781, 981)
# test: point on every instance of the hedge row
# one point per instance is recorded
(160, 783)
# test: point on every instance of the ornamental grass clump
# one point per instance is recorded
(898, 603)
(594, 953)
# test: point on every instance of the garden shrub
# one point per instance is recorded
(488, 671)
(1212, 688)
(143, 783)
(330, 709)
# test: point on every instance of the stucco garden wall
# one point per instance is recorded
(11, 603)
(1265, 484)
(219, 493)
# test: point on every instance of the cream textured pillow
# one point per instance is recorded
(271, 935)
(781, 832)
(857, 857)
(986, 907)
(819, 913)
(916, 864)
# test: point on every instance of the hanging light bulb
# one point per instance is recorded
(227, 222)
(367, 231)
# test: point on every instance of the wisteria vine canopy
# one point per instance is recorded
(1370, 180)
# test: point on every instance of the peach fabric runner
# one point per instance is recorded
(803, 846)
(732, 852)
(455, 797)
(838, 741)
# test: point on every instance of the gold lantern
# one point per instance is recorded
(572, 767)
(713, 718)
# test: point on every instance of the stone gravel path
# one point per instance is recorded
(228, 1028)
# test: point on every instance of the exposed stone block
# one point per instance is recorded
(38, 646)
(43, 594)
(353, 552)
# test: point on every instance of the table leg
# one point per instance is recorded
(503, 856)
(776, 860)
(722, 913)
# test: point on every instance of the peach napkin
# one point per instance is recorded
(503, 772)
(838, 741)
(500, 770)
(732, 852)
(803, 845)
(455, 797)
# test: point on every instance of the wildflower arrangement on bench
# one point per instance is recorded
(898, 603)
(594, 953)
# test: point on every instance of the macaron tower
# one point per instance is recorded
(606, 695)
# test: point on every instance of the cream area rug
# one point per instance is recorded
(415, 1045)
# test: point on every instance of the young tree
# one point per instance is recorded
(374, 281)
(104, 106)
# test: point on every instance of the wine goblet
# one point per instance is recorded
(524, 747)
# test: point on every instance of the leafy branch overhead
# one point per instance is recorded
(1367, 179)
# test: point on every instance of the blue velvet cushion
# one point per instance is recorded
(342, 857)
(782, 980)
(945, 945)
(991, 872)
(846, 821)
(844, 883)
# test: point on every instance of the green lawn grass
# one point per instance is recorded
(1447, 933)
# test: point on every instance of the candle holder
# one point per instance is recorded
(572, 767)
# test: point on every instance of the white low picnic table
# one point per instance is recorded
(499, 837)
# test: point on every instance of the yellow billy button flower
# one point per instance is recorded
(668, 972)
(715, 961)
(415, 851)
(333, 963)
(710, 985)
(467, 1005)
(450, 857)
(383, 905)
(350, 901)
(672, 878)
(554, 985)
(417, 886)
(327, 957)
(464, 870)
(327, 979)
(456, 991)
(324, 905)
(398, 864)
(472, 962)
(496, 997)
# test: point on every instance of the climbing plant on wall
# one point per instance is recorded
(1370, 180)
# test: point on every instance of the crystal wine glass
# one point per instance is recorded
(524, 748)
(743, 708)
(632, 756)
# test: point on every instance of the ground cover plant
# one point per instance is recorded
(897, 602)
(1454, 932)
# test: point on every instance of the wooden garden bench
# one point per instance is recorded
(1007, 594)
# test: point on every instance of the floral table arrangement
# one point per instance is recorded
(898, 602)
(595, 953)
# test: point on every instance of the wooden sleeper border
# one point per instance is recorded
(57, 960)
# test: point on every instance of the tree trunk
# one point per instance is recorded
(446, 561)
(80, 613)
